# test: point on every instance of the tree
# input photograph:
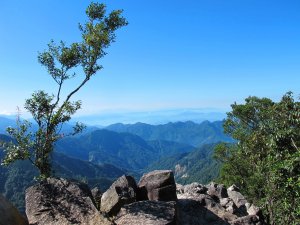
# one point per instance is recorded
(51, 111)
(265, 160)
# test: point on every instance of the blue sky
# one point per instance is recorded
(174, 54)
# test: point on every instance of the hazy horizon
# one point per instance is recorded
(148, 117)
(175, 54)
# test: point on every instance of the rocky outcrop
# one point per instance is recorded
(155, 201)
(157, 185)
(148, 212)
(217, 190)
(192, 189)
(121, 192)
(213, 204)
(9, 215)
(61, 202)
(236, 196)
(97, 194)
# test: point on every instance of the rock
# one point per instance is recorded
(121, 192)
(195, 188)
(200, 206)
(247, 220)
(61, 202)
(228, 204)
(179, 188)
(233, 188)
(97, 194)
(231, 207)
(148, 213)
(195, 212)
(253, 210)
(157, 185)
(236, 196)
(224, 201)
(9, 215)
(217, 190)
(247, 205)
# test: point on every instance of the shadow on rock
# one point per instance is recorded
(192, 212)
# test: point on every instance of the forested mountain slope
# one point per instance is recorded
(182, 132)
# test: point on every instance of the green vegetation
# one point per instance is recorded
(181, 132)
(51, 111)
(123, 150)
(265, 161)
(195, 166)
(16, 177)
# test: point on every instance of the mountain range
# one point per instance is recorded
(154, 116)
(197, 165)
(99, 156)
(16, 177)
(10, 121)
(122, 149)
(182, 132)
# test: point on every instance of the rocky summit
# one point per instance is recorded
(62, 202)
(155, 200)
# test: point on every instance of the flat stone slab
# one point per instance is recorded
(148, 213)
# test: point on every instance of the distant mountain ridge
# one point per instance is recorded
(189, 132)
(100, 155)
(154, 116)
(11, 122)
(182, 132)
(122, 149)
(4, 123)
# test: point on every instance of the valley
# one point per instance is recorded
(99, 156)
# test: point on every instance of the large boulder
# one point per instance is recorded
(148, 213)
(121, 192)
(234, 193)
(239, 200)
(62, 202)
(157, 185)
(9, 215)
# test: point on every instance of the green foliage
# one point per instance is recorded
(18, 176)
(197, 165)
(265, 161)
(123, 150)
(51, 111)
(181, 132)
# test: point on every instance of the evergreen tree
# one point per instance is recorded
(265, 160)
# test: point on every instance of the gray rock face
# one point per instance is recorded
(247, 220)
(217, 190)
(9, 215)
(121, 192)
(253, 210)
(196, 212)
(157, 185)
(148, 213)
(61, 202)
(212, 206)
(236, 196)
(195, 189)
(97, 194)
(179, 189)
